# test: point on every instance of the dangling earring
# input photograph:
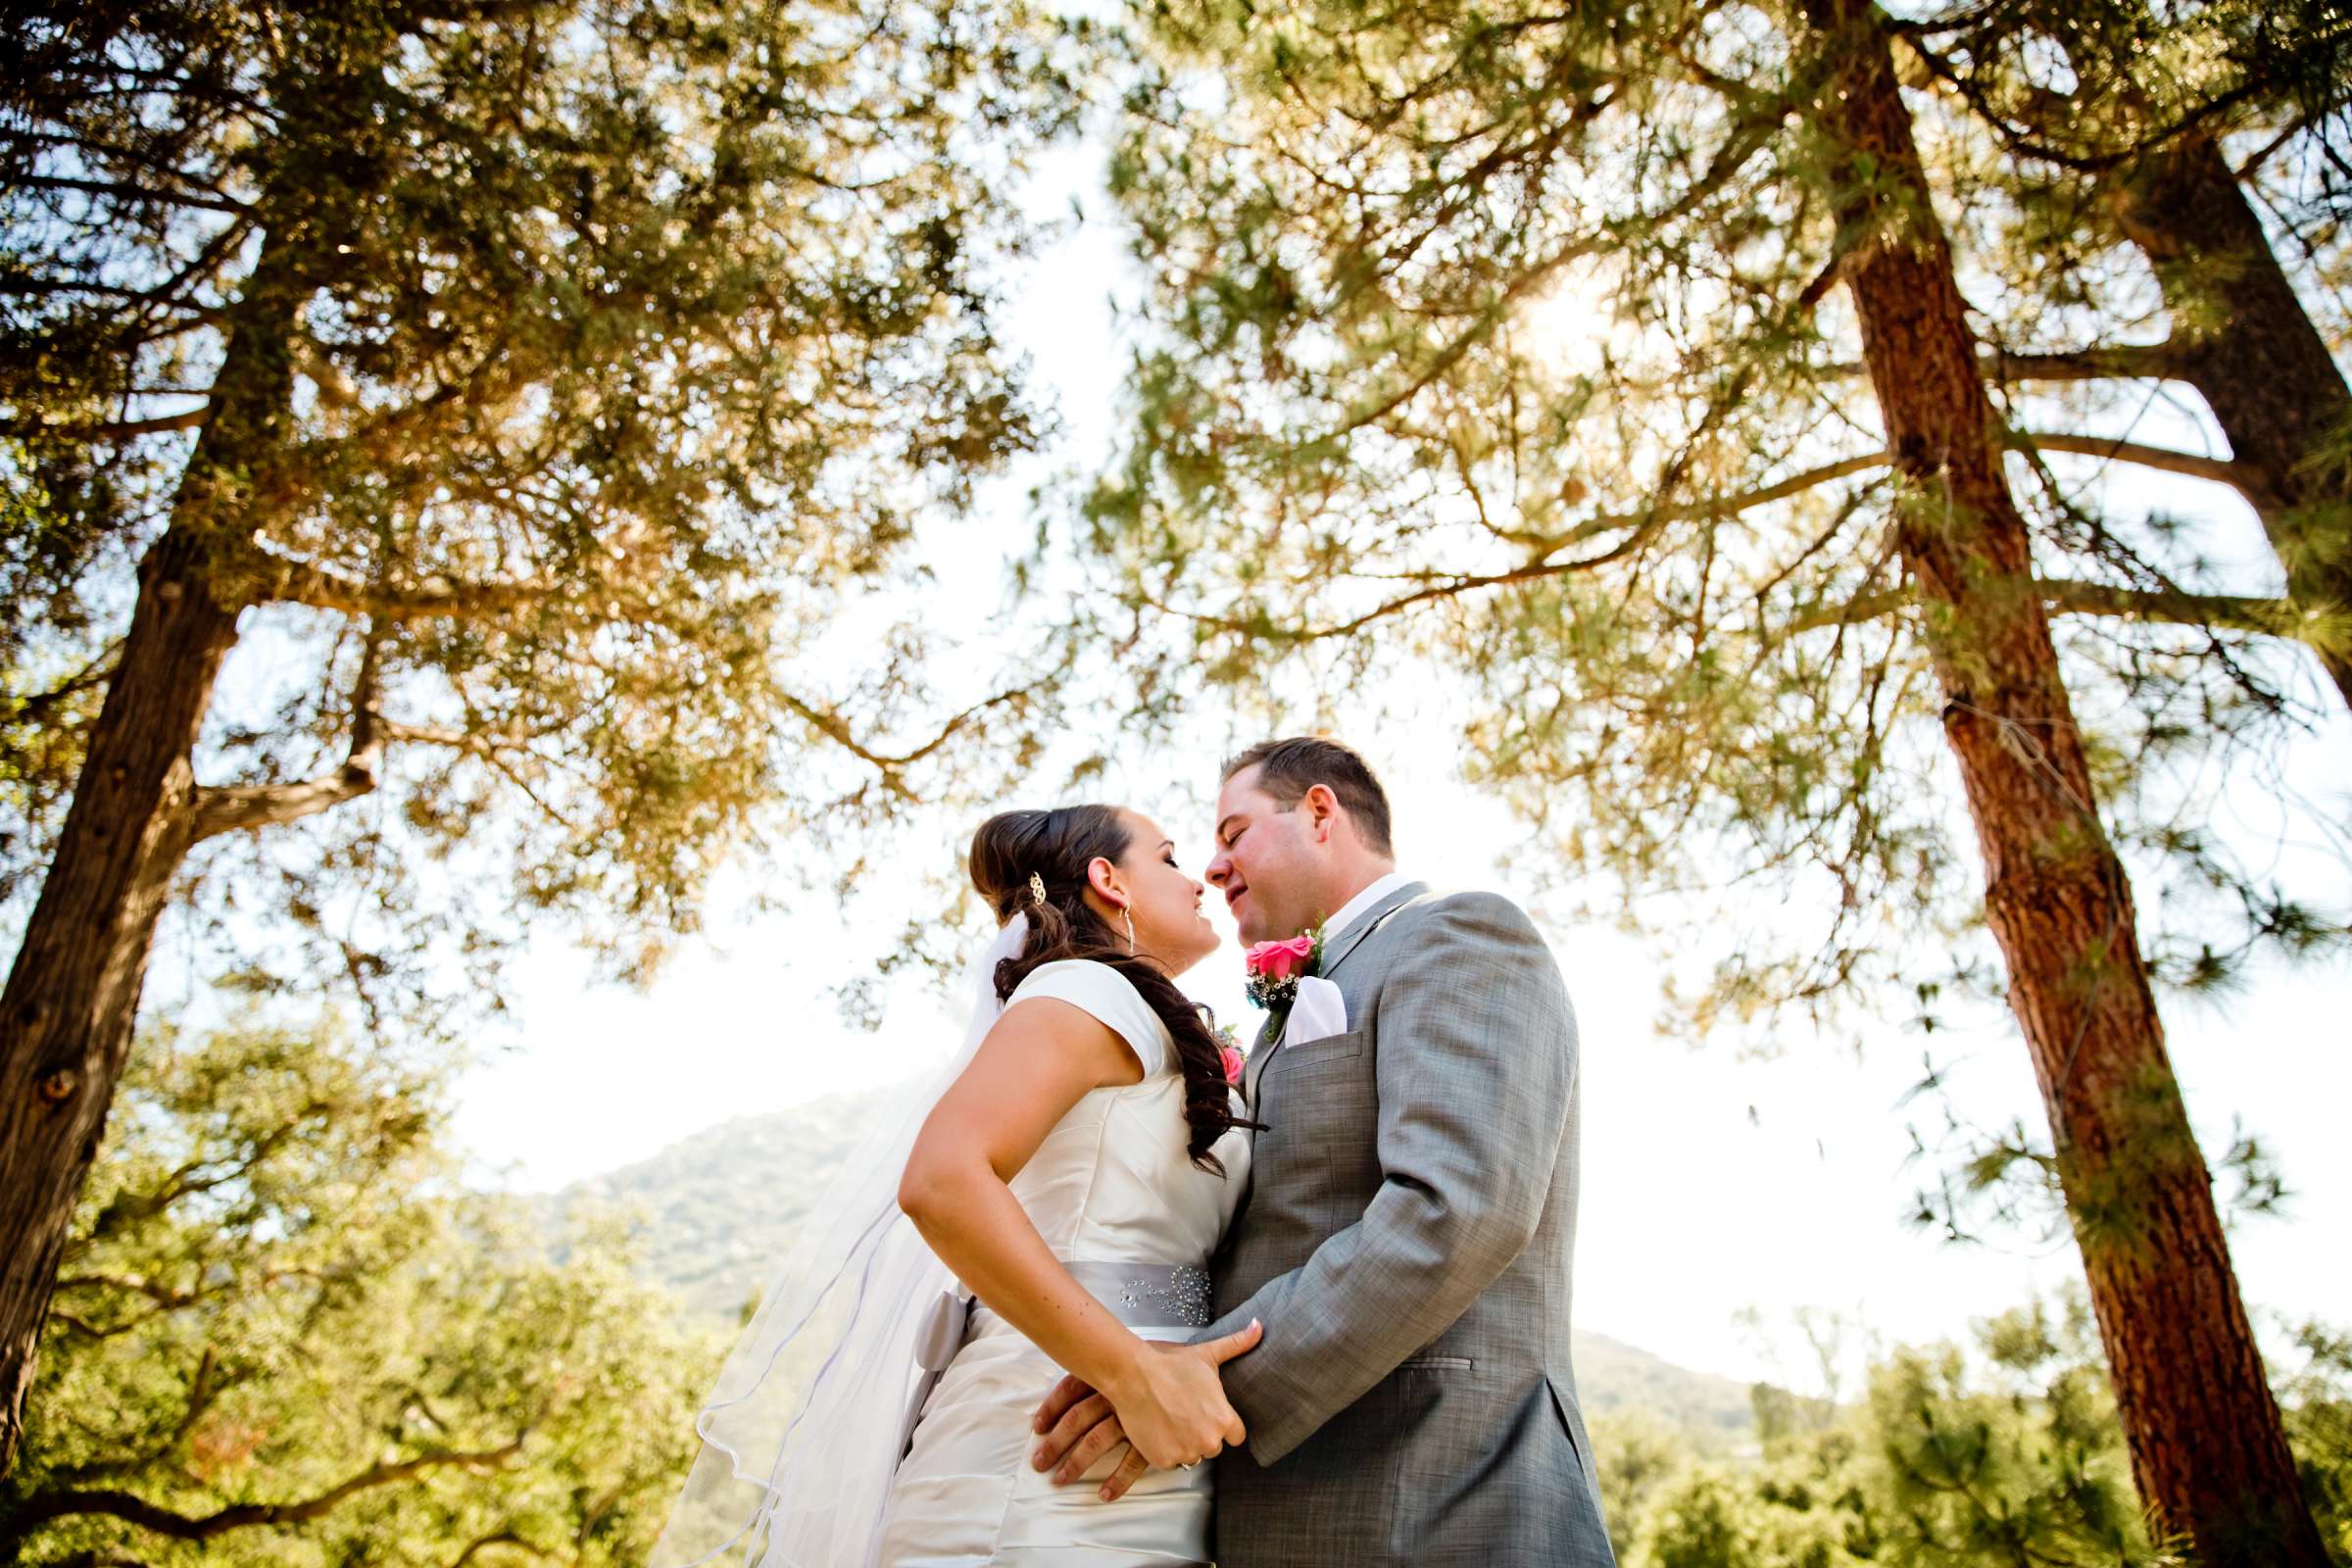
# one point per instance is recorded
(1130, 919)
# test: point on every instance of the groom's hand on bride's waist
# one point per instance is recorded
(1077, 1425)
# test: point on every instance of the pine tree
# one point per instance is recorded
(1739, 570)
(541, 379)
(2115, 122)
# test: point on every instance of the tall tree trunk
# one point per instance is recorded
(73, 996)
(2246, 345)
(2208, 1449)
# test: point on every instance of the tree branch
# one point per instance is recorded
(162, 1295)
(2262, 155)
(302, 584)
(836, 729)
(2273, 618)
(1438, 586)
(2066, 596)
(429, 735)
(501, 1537)
(1746, 135)
(88, 1330)
(2122, 362)
(1452, 353)
(129, 192)
(478, 747)
(1547, 545)
(2220, 471)
(43, 1506)
(232, 808)
(110, 430)
(97, 672)
(1543, 547)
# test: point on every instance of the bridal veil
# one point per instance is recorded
(803, 1431)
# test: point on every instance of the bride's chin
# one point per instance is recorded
(1200, 951)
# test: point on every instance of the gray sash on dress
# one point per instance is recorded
(1142, 1295)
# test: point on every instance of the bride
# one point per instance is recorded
(1048, 1204)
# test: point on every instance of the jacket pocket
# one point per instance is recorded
(1435, 1363)
(1331, 1048)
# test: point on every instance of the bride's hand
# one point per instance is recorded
(1171, 1410)
(1173, 1407)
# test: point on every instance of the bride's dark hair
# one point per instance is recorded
(1055, 846)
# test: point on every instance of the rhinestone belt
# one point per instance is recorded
(1142, 1295)
(1149, 1295)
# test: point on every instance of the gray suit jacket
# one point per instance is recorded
(1406, 1239)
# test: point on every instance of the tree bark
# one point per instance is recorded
(73, 994)
(2242, 339)
(2208, 1450)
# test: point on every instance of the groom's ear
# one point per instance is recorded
(1322, 809)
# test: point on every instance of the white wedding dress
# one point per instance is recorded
(1116, 1196)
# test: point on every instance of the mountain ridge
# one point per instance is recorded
(712, 1213)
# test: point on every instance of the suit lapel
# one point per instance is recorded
(1258, 1052)
(1334, 950)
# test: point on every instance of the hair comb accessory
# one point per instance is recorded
(1037, 887)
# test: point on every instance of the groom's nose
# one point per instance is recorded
(1218, 869)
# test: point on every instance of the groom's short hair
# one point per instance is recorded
(1289, 768)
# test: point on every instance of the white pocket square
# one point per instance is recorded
(1317, 1009)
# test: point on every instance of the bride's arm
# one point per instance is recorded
(1040, 1056)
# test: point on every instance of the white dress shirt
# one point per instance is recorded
(1372, 892)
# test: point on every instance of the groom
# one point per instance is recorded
(1407, 1234)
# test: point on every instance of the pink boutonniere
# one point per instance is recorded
(1275, 968)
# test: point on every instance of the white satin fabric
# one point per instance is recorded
(1111, 1182)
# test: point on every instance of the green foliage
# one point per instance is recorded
(1639, 1452)
(285, 1334)
(565, 372)
(2316, 1400)
(1507, 341)
(1503, 348)
(2008, 1454)
(1715, 1518)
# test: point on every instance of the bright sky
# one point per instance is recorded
(1712, 1183)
